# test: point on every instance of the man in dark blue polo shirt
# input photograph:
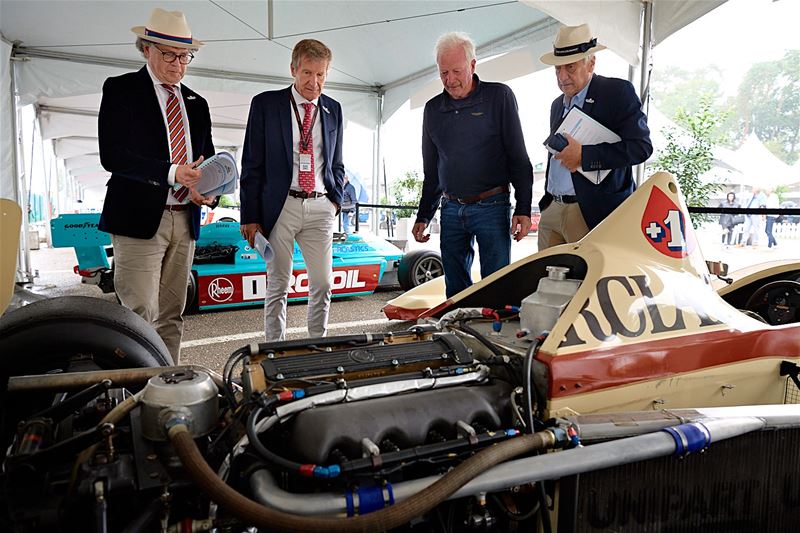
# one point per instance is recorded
(472, 148)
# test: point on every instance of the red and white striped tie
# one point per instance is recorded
(177, 137)
(306, 178)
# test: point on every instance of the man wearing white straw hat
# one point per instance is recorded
(572, 205)
(153, 132)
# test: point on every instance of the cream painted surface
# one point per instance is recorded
(754, 382)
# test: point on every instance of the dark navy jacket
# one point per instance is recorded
(134, 148)
(472, 145)
(613, 103)
(267, 156)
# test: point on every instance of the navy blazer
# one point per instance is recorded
(267, 156)
(613, 103)
(134, 147)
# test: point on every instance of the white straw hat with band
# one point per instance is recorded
(168, 27)
(572, 44)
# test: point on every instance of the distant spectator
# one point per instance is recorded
(729, 221)
(348, 203)
(753, 224)
(773, 203)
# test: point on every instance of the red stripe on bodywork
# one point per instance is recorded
(616, 365)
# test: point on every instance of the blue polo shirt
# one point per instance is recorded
(473, 145)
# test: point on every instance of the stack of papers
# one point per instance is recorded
(219, 175)
(587, 131)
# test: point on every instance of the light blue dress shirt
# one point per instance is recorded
(559, 178)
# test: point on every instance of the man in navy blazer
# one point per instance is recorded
(572, 205)
(292, 185)
(154, 222)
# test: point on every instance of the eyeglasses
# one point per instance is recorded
(170, 57)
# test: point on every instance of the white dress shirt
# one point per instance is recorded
(316, 134)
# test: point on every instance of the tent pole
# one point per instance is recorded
(24, 274)
(645, 71)
(376, 162)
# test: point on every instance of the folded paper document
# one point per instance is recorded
(219, 175)
(588, 131)
(263, 247)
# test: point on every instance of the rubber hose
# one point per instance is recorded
(252, 513)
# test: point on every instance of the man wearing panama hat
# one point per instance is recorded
(572, 205)
(153, 132)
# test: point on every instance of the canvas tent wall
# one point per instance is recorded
(382, 55)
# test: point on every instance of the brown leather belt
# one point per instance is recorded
(474, 199)
(176, 207)
(305, 195)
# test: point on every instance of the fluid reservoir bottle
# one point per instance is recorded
(540, 311)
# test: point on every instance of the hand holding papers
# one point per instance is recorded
(219, 175)
(263, 247)
(586, 131)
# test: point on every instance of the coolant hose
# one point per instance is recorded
(252, 513)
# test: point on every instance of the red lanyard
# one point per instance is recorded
(304, 140)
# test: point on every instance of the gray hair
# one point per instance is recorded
(453, 39)
(141, 43)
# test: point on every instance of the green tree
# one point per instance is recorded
(407, 191)
(688, 155)
(677, 90)
(768, 103)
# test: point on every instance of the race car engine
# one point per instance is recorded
(320, 435)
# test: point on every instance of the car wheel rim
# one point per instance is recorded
(427, 269)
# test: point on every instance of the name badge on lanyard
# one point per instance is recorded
(305, 162)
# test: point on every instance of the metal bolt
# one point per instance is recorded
(270, 355)
(153, 475)
(395, 362)
(151, 457)
(340, 369)
(444, 356)
(279, 376)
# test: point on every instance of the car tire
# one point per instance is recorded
(48, 335)
(417, 267)
(191, 294)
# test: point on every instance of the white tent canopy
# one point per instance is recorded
(64, 50)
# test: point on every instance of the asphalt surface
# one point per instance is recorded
(210, 337)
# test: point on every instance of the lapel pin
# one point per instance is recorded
(590, 100)
(325, 109)
(190, 97)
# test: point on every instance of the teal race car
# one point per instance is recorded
(227, 272)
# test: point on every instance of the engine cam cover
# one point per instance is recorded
(190, 394)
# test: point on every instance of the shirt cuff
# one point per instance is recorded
(173, 169)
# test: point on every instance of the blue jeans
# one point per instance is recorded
(771, 238)
(488, 221)
(345, 222)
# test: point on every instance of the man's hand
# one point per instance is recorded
(199, 199)
(520, 226)
(418, 231)
(570, 156)
(188, 175)
(249, 232)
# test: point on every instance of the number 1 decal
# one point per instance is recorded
(674, 221)
(666, 227)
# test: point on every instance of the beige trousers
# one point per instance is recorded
(560, 224)
(310, 222)
(150, 276)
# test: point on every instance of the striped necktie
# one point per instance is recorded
(306, 178)
(177, 137)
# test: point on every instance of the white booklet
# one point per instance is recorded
(588, 131)
(219, 175)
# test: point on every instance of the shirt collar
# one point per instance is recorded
(580, 98)
(300, 99)
(472, 98)
(158, 83)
